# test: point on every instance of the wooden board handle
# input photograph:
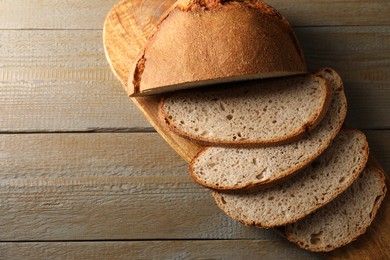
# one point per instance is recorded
(126, 29)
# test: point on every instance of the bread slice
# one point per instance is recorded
(328, 176)
(345, 218)
(257, 113)
(203, 42)
(226, 168)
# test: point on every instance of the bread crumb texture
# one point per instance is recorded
(328, 176)
(257, 112)
(226, 168)
(344, 219)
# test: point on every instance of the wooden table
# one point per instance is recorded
(84, 176)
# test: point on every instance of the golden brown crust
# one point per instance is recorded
(133, 86)
(202, 5)
(203, 41)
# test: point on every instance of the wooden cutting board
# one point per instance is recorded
(127, 27)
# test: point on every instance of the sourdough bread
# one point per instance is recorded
(345, 218)
(203, 42)
(260, 113)
(328, 176)
(226, 168)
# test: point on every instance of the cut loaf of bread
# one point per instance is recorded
(328, 176)
(226, 168)
(345, 218)
(203, 42)
(260, 113)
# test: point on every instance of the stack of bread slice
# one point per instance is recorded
(277, 153)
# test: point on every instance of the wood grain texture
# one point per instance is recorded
(133, 186)
(124, 36)
(120, 36)
(60, 80)
(379, 143)
(54, 14)
(104, 186)
(76, 14)
(363, 65)
(112, 186)
(207, 249)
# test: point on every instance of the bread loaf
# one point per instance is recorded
(226, 168)
(214, 41)
(327, 177)
(256, 113)
(345, 218)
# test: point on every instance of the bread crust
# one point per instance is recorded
(196, 54)
(293, 136)
(302, 214)
(378, 170)
(263, 184)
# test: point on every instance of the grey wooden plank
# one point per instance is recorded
(362, 57)
(112, 186)
(60, 81)
(77, 14)
(104, 186)
(189, 249)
